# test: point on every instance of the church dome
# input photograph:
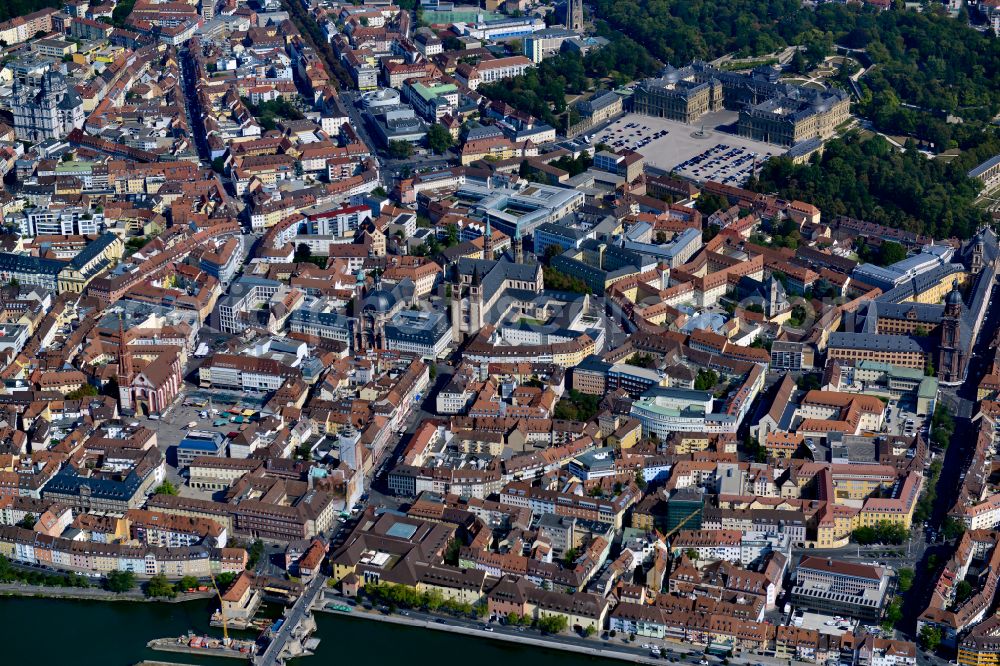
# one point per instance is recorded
(954, 296)
(379, 301)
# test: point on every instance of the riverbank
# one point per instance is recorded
(637, 651)
(598, 650)
(92, 594)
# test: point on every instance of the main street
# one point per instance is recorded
(599, 645)
(192, 108)
(956, 459)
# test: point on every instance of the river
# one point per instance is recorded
(95, 633)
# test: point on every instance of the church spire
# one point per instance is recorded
(488, 241)
(124, 355)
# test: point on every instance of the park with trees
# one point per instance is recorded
(869, 179)
(922, 59)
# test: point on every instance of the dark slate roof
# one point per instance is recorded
(884, 343)
(420, 328)
(21, 263)
(68, 482)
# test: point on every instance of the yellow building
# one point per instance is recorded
(102, 253)
(464, 586)
(936, 291)
(689, 442)
(981, 647)
(897, 510)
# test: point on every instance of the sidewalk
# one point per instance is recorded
(591, 646)
(598, 651)
(90, 593)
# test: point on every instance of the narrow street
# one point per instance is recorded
(191, 107)
(956, 459)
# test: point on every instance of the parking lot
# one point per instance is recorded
(902, 420)
(174, 425)
(708, 150)
(826, 624)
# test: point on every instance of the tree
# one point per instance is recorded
(930, 637)
(574, 166)
(932, 563)
(166, 488)
(577, 406)
(551, 252)
(451, 554)
(692, 554)
(432, 371)
(254, 553)
(558, 281)
(891, 252)
(590, 630)
(904, 579)
(883, 532)
(706, 380)
(893, 613)
(400, 150)
(798, 316)
(642, 360)
(710, 203)
(187, 583)
(121, 11)
(28, 522)
(219, 165)
(963, 591)
(942, 426)
(137, 243)
(119, 581)
(225, 579)
(867, 178)
(303, 252)
(85, 391)
(864, 535)
(159, 586)
(433, 599)
(952, 528)
(552, 624)
(569, 557)
(439, 139)
(798, 65)
(809, 382)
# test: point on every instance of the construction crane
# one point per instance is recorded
(680, 524)
(222, 611)
(664, 537)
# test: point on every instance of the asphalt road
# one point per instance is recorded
(671, 649)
